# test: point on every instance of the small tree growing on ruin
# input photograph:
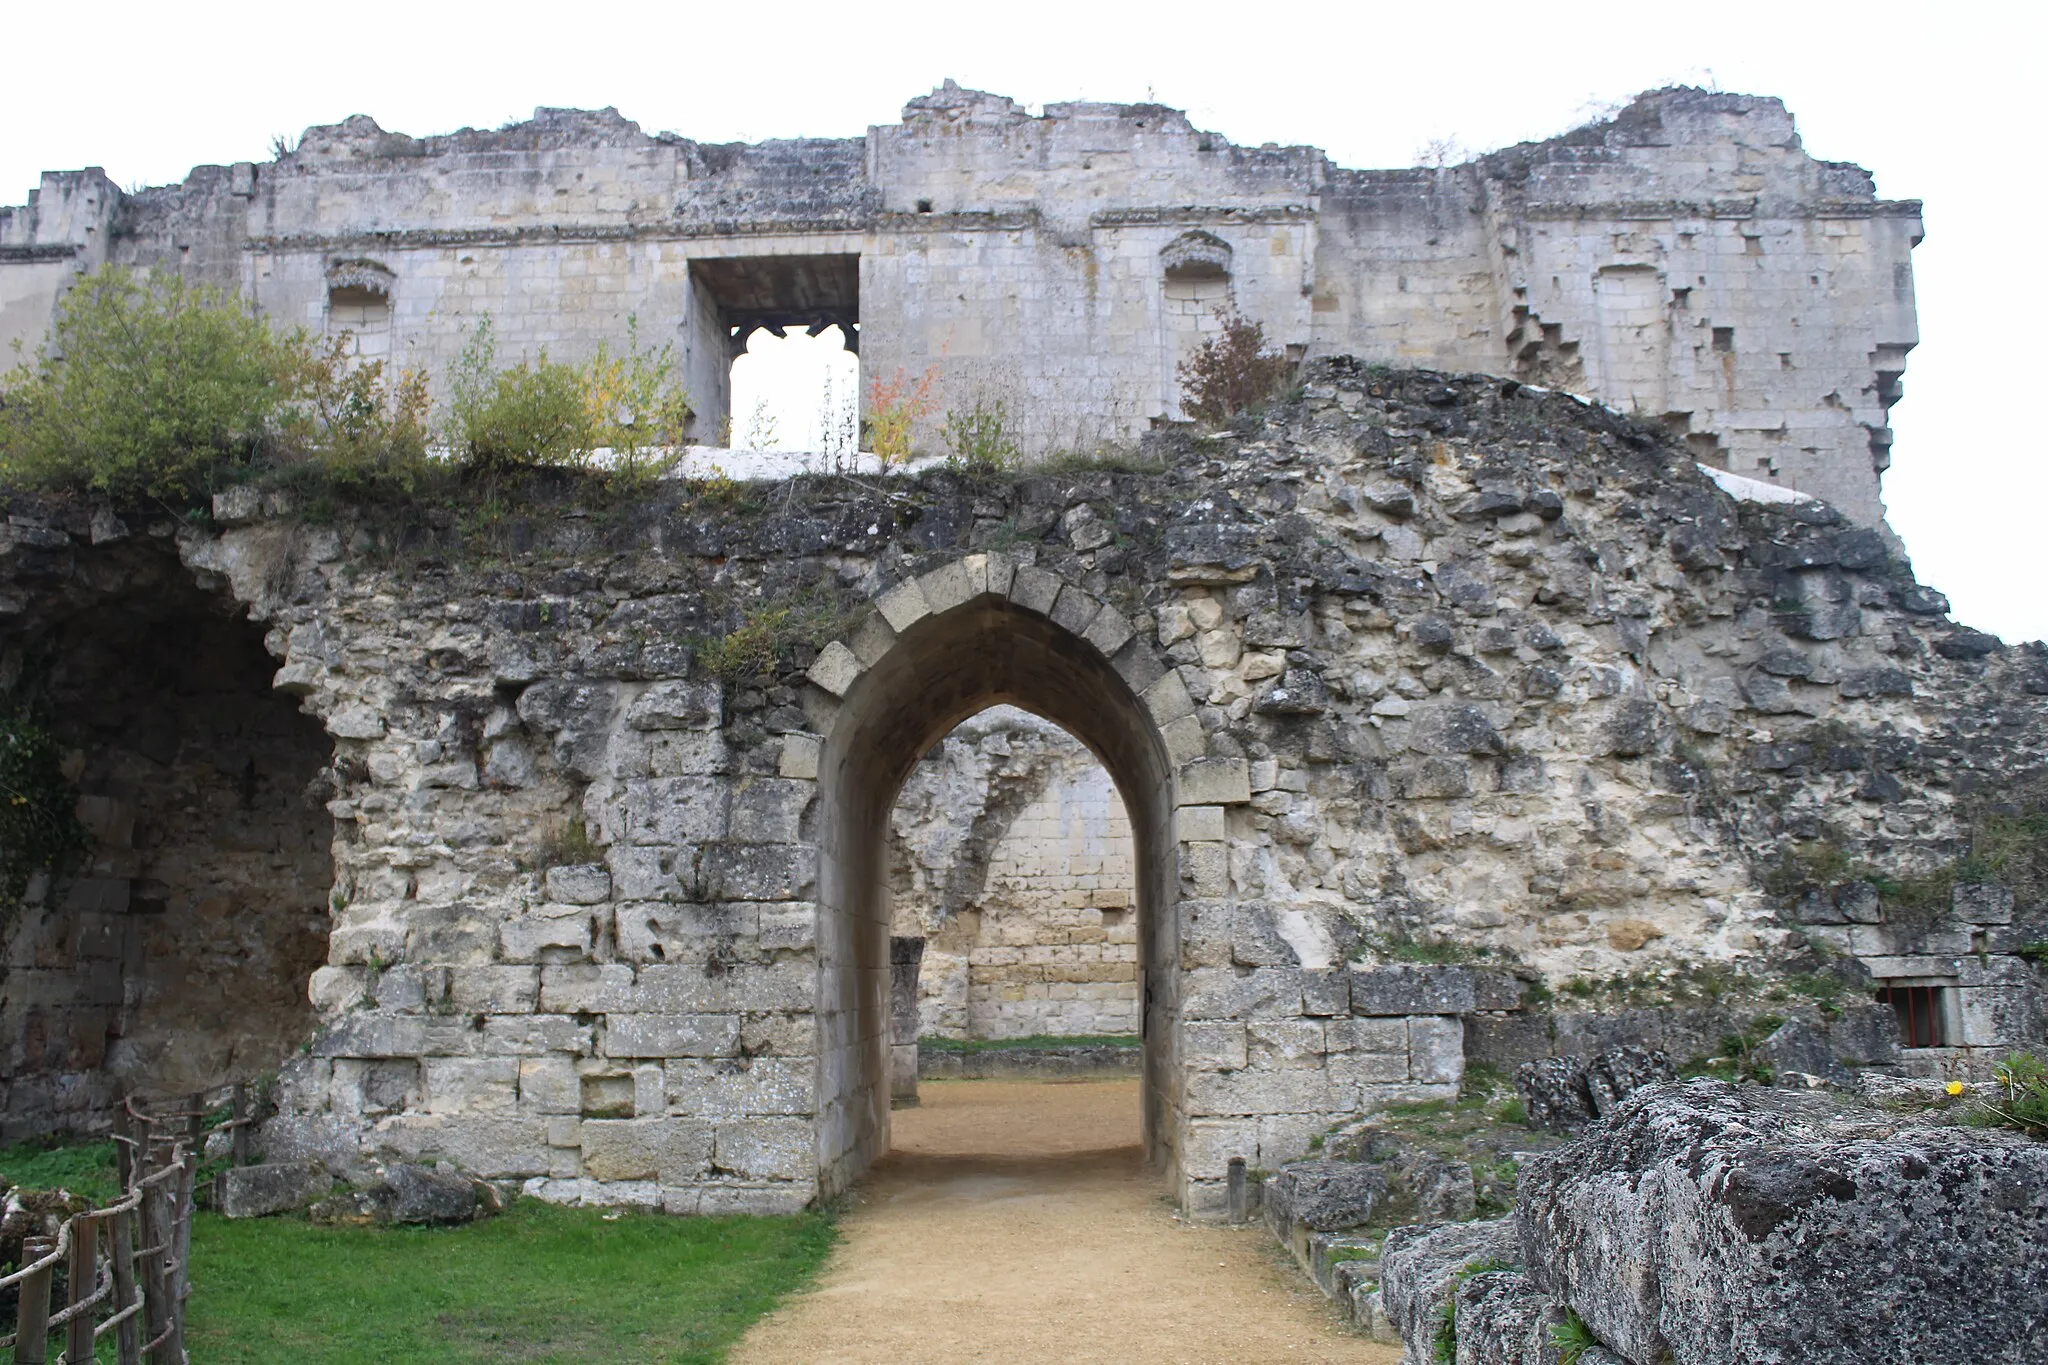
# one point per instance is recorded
(1230, 372)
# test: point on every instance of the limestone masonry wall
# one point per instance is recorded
(1685, 259)
(1416, 667)
(1013, 862)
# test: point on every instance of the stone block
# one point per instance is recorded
(579, 884)
(1217, 1045)
(1185, 740)
(903, 605)
(494, 1148)
(669, 1150)
(678, 704)
(835, 669)
(767, 1148)
(952, 585)
(800, 755)
(471, 1085)
(740, 1087)
(1421, 1265)
(1109, 632)
(1075, 610)
(1198, 824)
(1308, 1090)
(769, 810)
(1325, 991)
(1983, 903)
(414, 1194)
(1035, 589)
(1412, 989)
(1167, 700)
(1214, 782)
(1380, 1036)
(671, 1035)
(1436, 1050)
(549, 1085)
(1205, 869)
(581, 988)
(1241, 993)
(1324, 1196)
(272, 1187)
(494, 990)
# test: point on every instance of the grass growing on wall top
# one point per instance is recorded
(538, 1284)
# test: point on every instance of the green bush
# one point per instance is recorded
(541, 412)
(149, 388)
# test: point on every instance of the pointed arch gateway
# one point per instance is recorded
(968, 635)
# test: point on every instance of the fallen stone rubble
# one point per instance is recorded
(1705, 1222)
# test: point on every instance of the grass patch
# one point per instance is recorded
(1036, 1040)
(536, 1284)
(87, 1170)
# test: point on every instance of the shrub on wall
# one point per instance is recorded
(542, 412)
(39, 826)
(148, 388)
(1230, 372)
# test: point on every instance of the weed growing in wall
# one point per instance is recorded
(979, 439)
(895, 407)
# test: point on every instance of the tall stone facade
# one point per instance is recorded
(1416, 666)
(1012, 861)
(1685, 260)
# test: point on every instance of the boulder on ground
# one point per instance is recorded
(271, 1187)
(1325, 1196)
(1421, 1266)
(419, 1195)
(1708, 1222)
(1799, 1054)
(1568, 1092)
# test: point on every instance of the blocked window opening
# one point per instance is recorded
(773, 346)
(1196, 295)
(1922, 1013)
(359, 307)
(1011, 865)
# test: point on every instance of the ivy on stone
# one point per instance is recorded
(39, 825)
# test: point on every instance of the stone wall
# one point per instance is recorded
(1012, 858)
(1416, 666)
(1685, 259)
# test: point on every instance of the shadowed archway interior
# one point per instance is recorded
(941, 670)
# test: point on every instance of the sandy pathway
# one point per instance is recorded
(1012, 1223)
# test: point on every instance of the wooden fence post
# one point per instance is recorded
(240, 1117)
(156, 1238)
(121, 1237)
(32, 1313)
(85, 1281)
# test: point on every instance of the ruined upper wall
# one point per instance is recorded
(1685, 259)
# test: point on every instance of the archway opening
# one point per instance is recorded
(939, 670)
(1013, 947)
(174, 957)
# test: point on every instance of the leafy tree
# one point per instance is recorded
(1231, 371)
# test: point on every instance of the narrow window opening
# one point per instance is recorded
(1922, 1014)
(924, 206)
(1724, 339)
(363, 316)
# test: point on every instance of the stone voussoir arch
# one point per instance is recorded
(969, 633)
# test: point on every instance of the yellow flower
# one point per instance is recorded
(1955, 1087)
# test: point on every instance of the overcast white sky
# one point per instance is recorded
(1941, 102)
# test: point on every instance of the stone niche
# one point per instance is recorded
(175, 958)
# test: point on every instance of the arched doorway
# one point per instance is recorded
(975, 634)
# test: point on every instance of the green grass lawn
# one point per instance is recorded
(535, 1284)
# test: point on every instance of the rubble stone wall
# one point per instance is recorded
(1685, 259)
(1416, 666)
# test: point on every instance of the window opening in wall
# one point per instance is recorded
(796, 391)
(1196, 297)
(774, 351)
(1922, 1013)
(1012, 869)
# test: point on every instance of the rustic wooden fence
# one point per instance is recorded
(126, 1265)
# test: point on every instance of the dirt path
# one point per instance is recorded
(1012, 1223)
